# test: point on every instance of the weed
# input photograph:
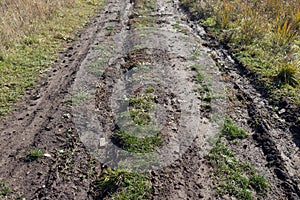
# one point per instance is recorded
(33, 154)
(122, 184)
(4, 190)
(231, 131)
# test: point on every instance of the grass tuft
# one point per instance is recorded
(231, 131)
(33, 154)
(287, 75)
(122, 184)
(4, 189)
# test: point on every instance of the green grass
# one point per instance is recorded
(123, 185)
(138, 141)
(199, 77)
(4, 189)
(231, 131)
(138, 133)
(176, 26)
(33, 154)
(27, 58)
(232, 176)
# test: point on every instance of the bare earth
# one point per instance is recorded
(98, 63)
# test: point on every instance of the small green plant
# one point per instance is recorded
(176, 26)
(199, 77)
(259, 183)
(123, 185)
(33, 154)
(287, 75)
(4, 190)
(231, 131)
(142, 102)
(149, 90)
(109, 28)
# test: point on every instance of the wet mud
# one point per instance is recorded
(144, 52)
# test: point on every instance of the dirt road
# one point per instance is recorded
(134, 49)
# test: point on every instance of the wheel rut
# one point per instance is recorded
(142, 51)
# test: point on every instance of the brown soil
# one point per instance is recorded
(102, 66)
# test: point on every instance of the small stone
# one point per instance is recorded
(47, 155)
(102, 142)
(281, 111)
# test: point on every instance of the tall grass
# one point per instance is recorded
(31, 34)
(22, 17)
(263, 34)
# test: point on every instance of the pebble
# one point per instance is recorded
(47, 155)
(281, 111)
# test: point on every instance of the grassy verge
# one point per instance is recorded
(232, 176)
(31, 33)
(263, 35)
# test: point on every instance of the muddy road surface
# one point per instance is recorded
(144, 68)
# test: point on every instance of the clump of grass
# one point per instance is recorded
(122, 184)
(4, 189)
(287, 75)
(33, 154)
(231, 131)
(138, 142)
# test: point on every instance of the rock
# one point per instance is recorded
(281, 111)
(47, 155)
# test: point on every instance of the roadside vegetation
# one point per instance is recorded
(263, 35)
(31, 34)
(232, 176)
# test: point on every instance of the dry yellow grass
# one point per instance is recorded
(263, 34)
(20, 18)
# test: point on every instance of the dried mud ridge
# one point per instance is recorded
(105, 62)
